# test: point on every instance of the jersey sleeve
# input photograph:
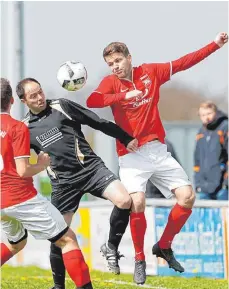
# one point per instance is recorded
(162, 71)
(104, 94)
(85, 116)
(21, 141)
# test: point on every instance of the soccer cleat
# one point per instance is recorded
(112, 257)
(167, 255)
(140, 272)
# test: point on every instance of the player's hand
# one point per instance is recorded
(43, 159)
(133, 93)
(221, 39)
(132, 145)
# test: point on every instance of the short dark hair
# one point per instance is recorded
(114, 47)
(6, 94)
(209, 104)
(21, 84)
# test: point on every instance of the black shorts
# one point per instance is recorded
(66, 197)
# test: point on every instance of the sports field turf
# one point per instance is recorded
(35, 278)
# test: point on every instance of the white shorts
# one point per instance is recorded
(37, 216)
(152, 161)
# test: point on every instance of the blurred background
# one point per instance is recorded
(37, 37)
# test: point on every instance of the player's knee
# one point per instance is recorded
(138, 202)
(68, 239)
(124, 202)
(15, 248)
(186, 197)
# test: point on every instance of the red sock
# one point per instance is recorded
(6, 254)
(138, 229)
(176, 220)
(76, 267)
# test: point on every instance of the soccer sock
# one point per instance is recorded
(176, 220)
(57, 265)
(138, 228)
(77, 269)
(119, 220)
(6, 254)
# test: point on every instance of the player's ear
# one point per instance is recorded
(23, 100)
(129, 57)
(11, 100)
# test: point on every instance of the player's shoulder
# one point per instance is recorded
(110, 78)
(62, 105)
(17, 125)
(60, 102)
(25, 119)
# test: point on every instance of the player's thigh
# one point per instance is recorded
(41, 218)
(66, 198)
(13, 229)
(117, 194)
(98, 184)
(169, 175)
(134, 172)
(134, 180)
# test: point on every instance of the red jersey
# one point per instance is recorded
(140, 116)
(15, 143)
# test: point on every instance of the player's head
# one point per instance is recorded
(6, 95)
(118, 58)
(30, 92)
(207, 112)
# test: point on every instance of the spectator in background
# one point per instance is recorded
(211, 154)
(151, 190)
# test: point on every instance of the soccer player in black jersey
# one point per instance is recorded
(55, 128)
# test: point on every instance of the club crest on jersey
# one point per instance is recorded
(146, 80)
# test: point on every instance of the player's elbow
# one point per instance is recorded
(95, 100)
(89, 102)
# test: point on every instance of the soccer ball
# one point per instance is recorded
(72, 75)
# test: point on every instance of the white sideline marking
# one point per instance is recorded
(108, 281)
(132, 284)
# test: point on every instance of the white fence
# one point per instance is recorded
(201, 246)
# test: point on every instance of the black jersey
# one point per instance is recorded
(57, 131)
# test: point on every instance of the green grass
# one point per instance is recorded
(35, 278)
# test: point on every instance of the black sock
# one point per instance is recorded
(119, 220)
(57, 265)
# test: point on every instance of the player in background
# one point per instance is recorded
(133, 95)
(22, 209)
(55, 128)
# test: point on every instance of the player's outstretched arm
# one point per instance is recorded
(82, 115)
(193, 58)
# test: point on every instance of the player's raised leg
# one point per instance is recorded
(176, 220)
(170, 177)
(119, 219)
(135, 171)
(138, 227)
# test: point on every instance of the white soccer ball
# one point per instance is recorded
(72, 75)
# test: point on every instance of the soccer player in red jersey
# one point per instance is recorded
(22, 209)
(133, 95)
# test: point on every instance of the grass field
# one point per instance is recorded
(35, 278)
